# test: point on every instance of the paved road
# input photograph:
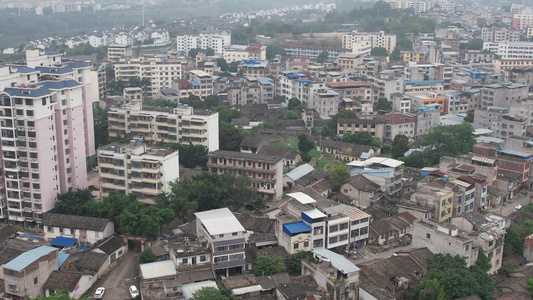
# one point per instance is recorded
(120, 278)
(507, 208)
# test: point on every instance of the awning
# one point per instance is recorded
(63, 241)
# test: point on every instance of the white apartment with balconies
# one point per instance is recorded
(134, 168)
(375, 39)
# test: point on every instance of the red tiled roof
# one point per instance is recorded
(396, 118)
(183, 82)
(467, 179)
(438, 173)
(436, 184)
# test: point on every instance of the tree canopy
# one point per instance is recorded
(208, 293)
(448, 141)
(400, 145)
(457, 280)
(191, 155)
(208, 191)
(338, 175)
(384, 104)
(304, 144)
(474, 44)
(147, 256)
(379, 51)
(266, 265)
(322, 56)
(131, 216)
(359, 137)
(230, 137)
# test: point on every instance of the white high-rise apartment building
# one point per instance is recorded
(513, 50)
(47, 134)
(375, 39)
(161, 72)
(203, 41)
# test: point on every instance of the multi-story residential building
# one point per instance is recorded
(225, 234)
(39, 122)
(265, 171)
(202, 81)
(384, 171)
(135, 168)
(309, 51)
(135, 94)
(500, 122)
(415, 56)
(355, 90)
(161, 72)
(506, 65)
(119, 51)
(99, 82)
(398, 123)
(502, 95)
(375, 127)
(420, 86)
(508, 160)
(350, 61)
(386, 84)
(478, 56)
(254, 68)
(400, 103)
(165, 125)
(463, 236)
(26, 274)
(433, 194)
(335, 274)
(235, 53)
(427, 117)
(326, 102)
(251, 90)
(430, 98)
(216, 42)
(511, 50)
(523, 76)
(524, 108)
(499, 34)
(464, 194)
(376, 39)
(522, 21)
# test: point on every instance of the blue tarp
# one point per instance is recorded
(61, 257)
(295, 228)
(63, 241)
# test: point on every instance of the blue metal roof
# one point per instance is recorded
(295, 228)
(264, 81)
(61, 258)
(338, 261)
(516, 153)
(59, 84)
(85, 248)
(195, 83)
(304, 80)
(20, 262)
(300, 171)
(58, 70)
(52, 52)
(29, 93)
(77, 64)
(63, 241)
(24, 69)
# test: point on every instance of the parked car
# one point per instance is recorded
(95, 169)
(99, 293)
(94, 188)
(518, 207)
(134, 292)
(94, 195)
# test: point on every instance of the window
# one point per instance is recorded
(363, 230)
(202, 257)
(184, 261)
(343, 226)
(35, 280)
(428, 235)
(354, 233)
(296, 245)
(220, 235)
(234, 233)
(333, 228)
(343, 237)
(306, 244)
(332, 240)
(29, 113)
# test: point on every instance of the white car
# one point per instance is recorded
(99, 293)
(518, 207)
(134, 292)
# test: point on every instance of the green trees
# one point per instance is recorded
(342, 114)
(457, 280)
(483, 262)
(338, 175)
(272, 50)
(400, 145)
(294, 263)
(130, 215)
(304, 144)
(229, 137)
(360, 137)
(448, 141)
(266, 265)
(208, 191)
(290, 115)
(322, 56)
(515, 235)
(190, 155)
(294, 103)
(384, 104)
(428, 290)
(474, 44)
(379, 51)
(208, 293)
(147, 256)
(530, 286)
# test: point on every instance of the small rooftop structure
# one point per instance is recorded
(302, 198)
(338, 261)
(219, 221)
(20, 262)
(158, 269)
